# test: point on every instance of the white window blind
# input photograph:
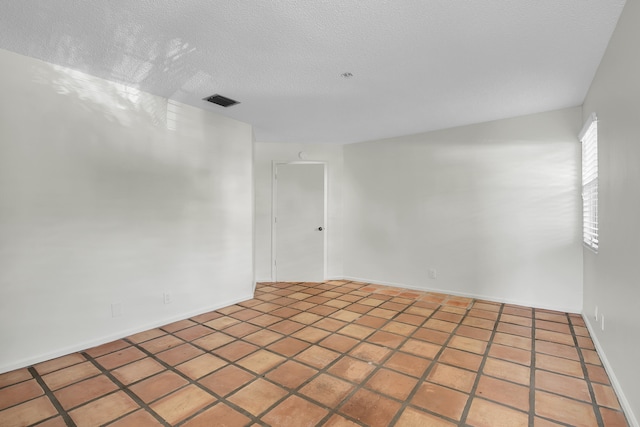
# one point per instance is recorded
(589, 139)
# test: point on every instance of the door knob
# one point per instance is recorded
(320, 228)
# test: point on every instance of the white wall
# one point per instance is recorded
(611, 277)
(109, 195)
(495, 208)
(265, 154)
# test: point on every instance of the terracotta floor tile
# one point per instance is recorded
(263, 337)
(107, 348)
(226, 380)
(177, 326)
(258, 396)
(488, 414)
(289, 346)
(460, 358)
(559, 350)
(103, 410)
(157, 345)
(476, 333)
(448, 317)
(218, 415)
(517, 311)
(28, 413)
(351, 369)
(585, 342)
(53, 422)
(84, 391)
(328, 324)
(261, 361)
(70, 375)
(392, 384)
(606, 396)
(613, 418)
(339, 421)
(419, 311)
(386, 339)
(553, 317)
(440, 400)
(468, 344)
(557, 337)
(412, 417)
(431, 335)
(559, 365)
(564, 410)
(222, 323)
(597, 374)
(59, 363)
(345, 315)
(230, 309)
(450, 376)
(541, 422)
(14, 377)
(483, 314)
(477, 322)
(440, 325)
(397, 327)
(138, 418)
(370, 321)
(511, 354)
(356, 331)
(235, 350)
(179, 354)
(339, 343)
(201, 366)
(371, 409)
(146, 335)
(370, 352)
(327, 390)
(504, 392)
(213, 341)
(245, 314)
(137, 370)
(420, 348)
(264, 320)
(553, 326)
(518, 320)
(291, 374)
(120, 358)
(317, 357)
(581, 331)
(591, 357)
(563, 385)
(181, 404)
(205, 317)
(306, 318)
(359, 308)
(194, 332)
(507, 371)
(311, 334)
(512, 340)
(19, 393)
(408, 364)
(394, 306)
(511, 329)
(158, 386)
(286, 327)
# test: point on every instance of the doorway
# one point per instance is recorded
(299, 222)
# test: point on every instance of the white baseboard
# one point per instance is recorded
(23, 363)
(624, 402)
(468, 295)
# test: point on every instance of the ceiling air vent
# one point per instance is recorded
(221, 100)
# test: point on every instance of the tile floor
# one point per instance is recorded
(334, 354)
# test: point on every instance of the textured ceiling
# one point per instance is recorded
(417, 65)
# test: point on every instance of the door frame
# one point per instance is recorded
(274, 213)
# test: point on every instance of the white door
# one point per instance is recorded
(299, 222)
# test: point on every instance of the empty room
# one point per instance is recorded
(409, 213)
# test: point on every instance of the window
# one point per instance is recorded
(589, 139)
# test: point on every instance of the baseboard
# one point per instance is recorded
(624, 402)
(467, 295)
(115, 336)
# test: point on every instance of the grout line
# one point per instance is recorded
(54, 400)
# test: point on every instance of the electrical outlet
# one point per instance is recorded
(116, 309)
(167, 298)
(602, 319)
(596, 315)
(433, 273)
